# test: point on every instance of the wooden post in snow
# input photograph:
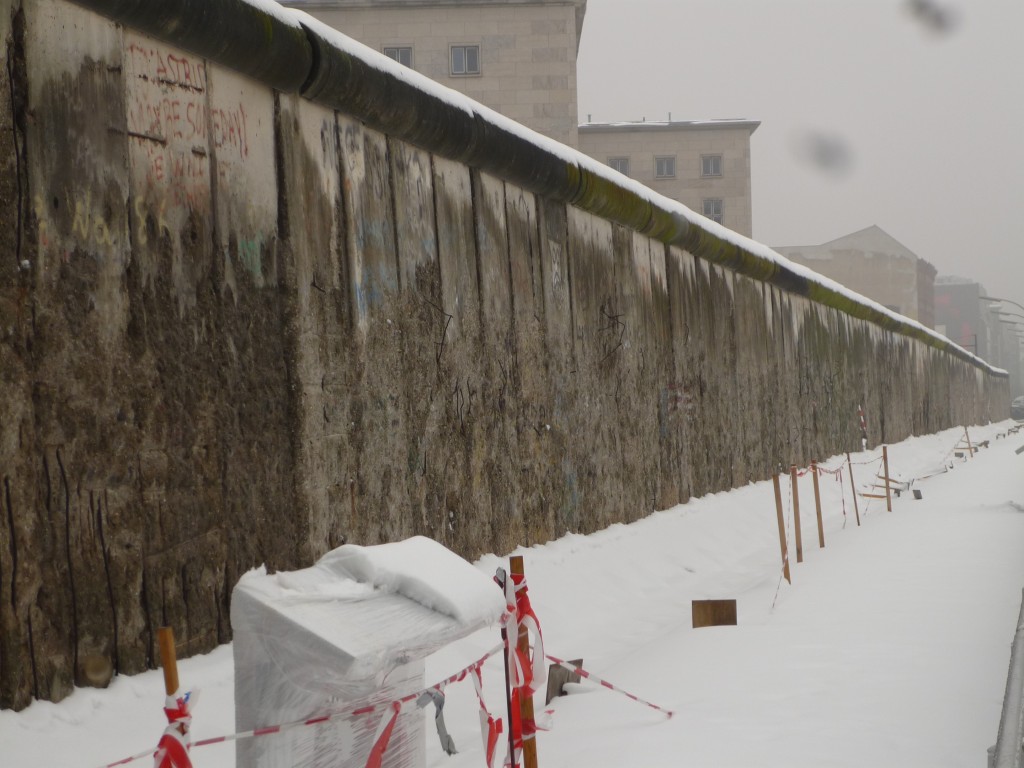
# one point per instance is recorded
(168, 659)
(888, 490)
(853, 488)
(525, 702)
(970, 448)
(782, 528)
(793, 476)
(817, 505)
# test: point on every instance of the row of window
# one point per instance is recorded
(665, 166)
(462, 59)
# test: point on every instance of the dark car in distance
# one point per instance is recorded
(1017, 408)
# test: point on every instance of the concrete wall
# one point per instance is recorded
(238, 326)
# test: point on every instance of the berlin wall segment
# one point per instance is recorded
(133, 476)
(254, 328)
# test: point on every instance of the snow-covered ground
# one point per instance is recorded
(890, 648)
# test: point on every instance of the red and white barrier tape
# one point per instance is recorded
(583, 673)
(491, 728)
(272, 729)
(526, 669)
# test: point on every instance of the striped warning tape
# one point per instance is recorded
(583, 673)
(272, 729)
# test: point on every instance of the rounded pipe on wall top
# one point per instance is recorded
(234, 33)
(453, 129)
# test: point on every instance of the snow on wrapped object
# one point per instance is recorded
(352, 631)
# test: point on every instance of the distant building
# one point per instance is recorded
(705, 165)
(964, 316)
(960, 314)
(875, 264)
(517, 57)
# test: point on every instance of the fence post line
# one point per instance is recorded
(515, 564)
(168, 659)
(793, 476)
(502, 578)
(782, 527)
(853, 488)
(888, 490)
(817, 505)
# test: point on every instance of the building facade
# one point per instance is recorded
(705, 165)
(517, 57)
(876, 265)
(966, 316)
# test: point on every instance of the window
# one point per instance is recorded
(465, 60)
(401, 54)
(713, 209)
(620, 164)
(664, 167)
(711, 165)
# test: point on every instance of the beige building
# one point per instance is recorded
(705, 165)
(518, 57)
(875, 264)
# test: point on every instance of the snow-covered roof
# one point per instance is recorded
(668, 125)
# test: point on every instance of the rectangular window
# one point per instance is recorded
(401, 54)
(664, 167)
(711, 165)
(713, 209)
(620, 164)
(465, 60)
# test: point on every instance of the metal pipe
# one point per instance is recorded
(234, 33)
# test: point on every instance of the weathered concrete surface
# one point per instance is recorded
(251, 328)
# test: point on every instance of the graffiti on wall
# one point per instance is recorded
(173, 123)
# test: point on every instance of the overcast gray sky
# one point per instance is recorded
(922, 131)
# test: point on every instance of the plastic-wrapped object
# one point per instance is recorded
(348, 634)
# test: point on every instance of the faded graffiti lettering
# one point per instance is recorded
(89, 225)
(90, 228)
(155, 123)
(166, 68)
(141, 213)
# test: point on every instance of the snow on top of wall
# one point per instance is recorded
(274, 9)
(572, 156)
(382, 63)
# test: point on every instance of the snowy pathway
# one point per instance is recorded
(890, 648)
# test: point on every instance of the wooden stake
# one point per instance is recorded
(888, 490)
(817, 505)
(853, 488)
(525, 702)
(969, 447)
(502, 578)
(168, 659)
(782, 528)
(793, 477)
